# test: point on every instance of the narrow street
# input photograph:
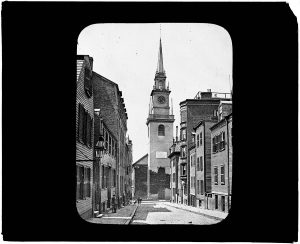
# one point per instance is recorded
(156, 212)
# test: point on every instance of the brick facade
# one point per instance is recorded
(203, 162)
(140, 170)
(108, 98)
(191, 112)
(221, 163)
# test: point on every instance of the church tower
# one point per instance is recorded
(160, 135)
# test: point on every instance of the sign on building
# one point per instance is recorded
(161, 154)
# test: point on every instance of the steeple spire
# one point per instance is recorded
(160, 64)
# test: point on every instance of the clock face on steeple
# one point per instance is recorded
(161, 99)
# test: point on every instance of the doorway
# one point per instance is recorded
(216, 201)
(223, 203)
(161, 194)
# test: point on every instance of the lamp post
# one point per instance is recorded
(183, 185)
(98, 149)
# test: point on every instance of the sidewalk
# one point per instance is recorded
(123, 216)
(205, 212)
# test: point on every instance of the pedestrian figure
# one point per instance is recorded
(140, 200)
(113, 200)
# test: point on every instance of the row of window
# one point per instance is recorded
(199, 165)
(85, 126)
(222, 174)
(83, 182)
(110, 143)
(200, 185)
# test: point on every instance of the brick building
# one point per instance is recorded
(174, 153)
(221, 160)
(203, 107)
(108, 167)
(139, 177)
(84, 136)
(128, 175)
(108, 98)
(203, 162)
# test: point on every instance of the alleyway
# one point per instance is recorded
(156, 212)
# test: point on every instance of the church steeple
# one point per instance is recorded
(160, 74)
(160, 63)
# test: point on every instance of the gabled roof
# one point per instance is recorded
(142, 160)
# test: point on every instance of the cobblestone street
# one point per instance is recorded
(156, 212)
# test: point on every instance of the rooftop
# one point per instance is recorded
(211, 95)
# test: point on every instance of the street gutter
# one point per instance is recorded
(128, 222)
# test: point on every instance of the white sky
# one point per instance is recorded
(196, 57)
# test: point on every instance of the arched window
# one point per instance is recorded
(161, 130)
(160, 86)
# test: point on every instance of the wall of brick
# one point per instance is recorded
(192, 153)
(196, 110)
(141, 180)
(218, 159)
(208, 169)
(84, 207)
(109, 99)
(230, 153)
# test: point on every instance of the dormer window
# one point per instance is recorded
(88, 82)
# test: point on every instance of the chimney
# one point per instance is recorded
(176, 133)
(206, 95)
(91, 60)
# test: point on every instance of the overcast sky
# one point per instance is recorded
(196, 57)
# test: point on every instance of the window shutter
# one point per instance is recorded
(81, 178)
(88, 124)
(201, 163)
(84, 182)
(84, 126)
(88, 82)
(102, 178)
(80, 122)
(216, 175)
(77, 182)
(89, 182)
(91, 131)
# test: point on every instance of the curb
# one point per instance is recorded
(128, 222)
(205, 215)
